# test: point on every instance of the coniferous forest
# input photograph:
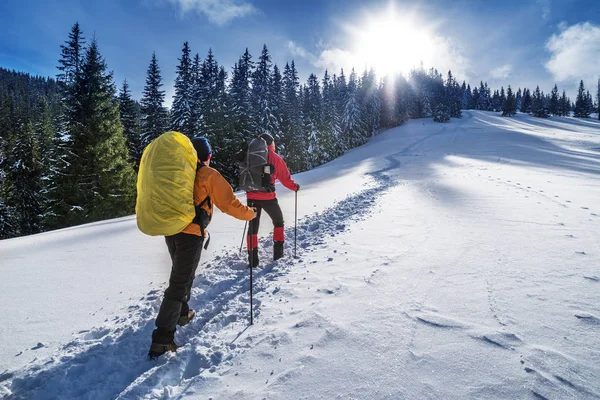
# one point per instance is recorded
(70, 146)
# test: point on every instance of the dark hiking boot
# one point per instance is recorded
(253, 257)
(186, 318)
(158, 349)
(277, 250)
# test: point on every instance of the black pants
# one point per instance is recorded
(272, 208)
(185, 251)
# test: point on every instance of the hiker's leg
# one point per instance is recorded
(252, 237)
(274, 210)
(186, 254)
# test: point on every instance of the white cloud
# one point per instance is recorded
(501, 72)
(545, 5)
(575, 53)
(299, 51)
(218, 12)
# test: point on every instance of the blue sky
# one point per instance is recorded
(522, 43)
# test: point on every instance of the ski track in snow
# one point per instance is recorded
(111, 362)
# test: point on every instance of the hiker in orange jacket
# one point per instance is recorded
(210, 188)
(267, 200)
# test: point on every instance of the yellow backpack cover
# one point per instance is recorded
(165, 185)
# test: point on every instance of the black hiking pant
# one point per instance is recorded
(185, 251)
(273, 209)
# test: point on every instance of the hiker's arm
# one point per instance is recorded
(222, 196)
(283, 173)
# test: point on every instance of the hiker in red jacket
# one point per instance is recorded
(267, 200)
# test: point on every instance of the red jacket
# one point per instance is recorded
(281, 172)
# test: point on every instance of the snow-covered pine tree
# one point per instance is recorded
(58, 182)
(388, 102)
(590, 102)
(210, 110)
(130, 119)
(312, 122)
(581, 103)
(223, 140)
(538, 108)
(263, 119)
(562, 105)
(466, 96)
(553, 105)
(291, 127)
(518, 99)
(240, 109)
(25, 173)
(371, 104)
(276, 101)
(103, 180)
(474, 99)
(331, 121)
(406, 100)
(181, 110)
(509, 107)
(526, 103)
(154, 114)
(196, 95)
(454, 96)
(484, 97)
(353, 129)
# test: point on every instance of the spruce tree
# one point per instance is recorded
(240, 96)
(154, 115)
(353, 129)
(509, 107)
(25, 175)
(130, 119)
(103, 181)
(526, 106)
(331, 121)
(291, 119)
(181, 110)
(264, 122)
(538, 108)
(581, 104)
(276, 102)
(519, 99)
(554, 102)
(312, 122)
(60, 178)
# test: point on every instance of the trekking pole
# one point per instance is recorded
(251, 268)
(295, 222)
(243, 234)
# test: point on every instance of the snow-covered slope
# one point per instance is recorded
(454, 260)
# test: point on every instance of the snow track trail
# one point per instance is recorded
(221, 297)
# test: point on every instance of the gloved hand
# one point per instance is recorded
(297, 187)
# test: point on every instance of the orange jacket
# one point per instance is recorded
(209, 182)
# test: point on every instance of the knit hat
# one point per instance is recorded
(267, 138)
(202, 148)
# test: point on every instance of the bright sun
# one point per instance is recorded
(391, 43)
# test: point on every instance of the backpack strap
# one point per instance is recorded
(202, 218)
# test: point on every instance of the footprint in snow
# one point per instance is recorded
(438, 321)
(587, 317)
(592, 278)
(585, 208)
